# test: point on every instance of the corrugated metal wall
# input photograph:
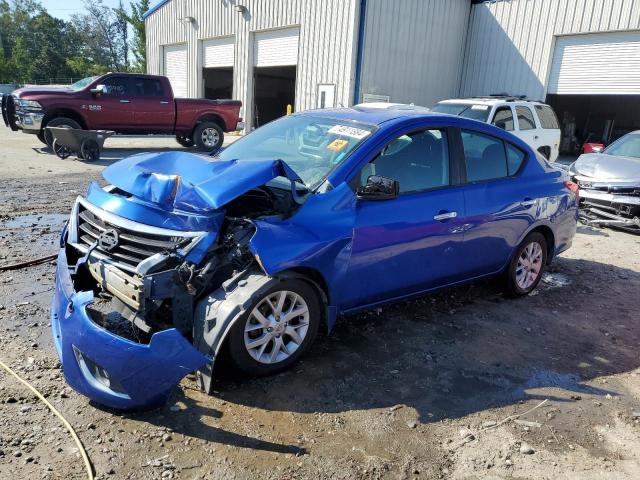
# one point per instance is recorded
(510, 43)
(413, 49)
(327, 41)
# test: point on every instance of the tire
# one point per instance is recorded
(58, 122)
(260, 361)
(522, 275)
(41, 137)
(89, 150)
(208, 136)
(60, 151)
(184, 141)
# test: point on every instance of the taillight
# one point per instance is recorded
(573, 187)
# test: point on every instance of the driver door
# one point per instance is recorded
(411, 243)
(112, 109)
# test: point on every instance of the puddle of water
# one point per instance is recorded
(555, 280)
(37, 220)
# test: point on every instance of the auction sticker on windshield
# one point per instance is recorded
(347, 131)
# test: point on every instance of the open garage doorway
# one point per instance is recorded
(594, 118)
(274, 90)
(594, 87)
(218, 82)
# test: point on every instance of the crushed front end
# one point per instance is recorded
(137, 258)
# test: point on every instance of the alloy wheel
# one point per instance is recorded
(210, 137)
(529, 265)
(276, 327)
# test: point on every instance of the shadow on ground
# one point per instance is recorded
(459, 352)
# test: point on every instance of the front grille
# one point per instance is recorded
(132, 247)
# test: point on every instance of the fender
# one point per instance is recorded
(301, 242)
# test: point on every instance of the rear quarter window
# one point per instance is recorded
(515, 157)
(547, 117)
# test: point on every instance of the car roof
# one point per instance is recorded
(490, 101)
(373, 113)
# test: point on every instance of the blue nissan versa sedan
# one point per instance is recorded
(315, 215)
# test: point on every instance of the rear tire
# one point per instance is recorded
(277, 329)
(208, 137)
(63, 122)
(527, 265)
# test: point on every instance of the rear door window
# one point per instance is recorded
(117, 87)
(147, 87)
(503, 118)
(525, 118)
(484, 155)
(547, 117)
(515, 157)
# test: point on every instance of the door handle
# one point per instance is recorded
(536, 137)
(445, 216)
(163, 102)
(125, 101)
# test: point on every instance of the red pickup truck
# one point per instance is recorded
(126, 103)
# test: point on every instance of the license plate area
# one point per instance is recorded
(127, 288)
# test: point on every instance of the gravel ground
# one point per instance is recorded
(424, 389)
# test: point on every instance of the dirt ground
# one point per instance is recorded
(421, 389)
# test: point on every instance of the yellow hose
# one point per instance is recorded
(83, 452)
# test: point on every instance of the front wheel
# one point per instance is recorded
(208, 136)
(62, 122)
(277, 329)
(527, 265)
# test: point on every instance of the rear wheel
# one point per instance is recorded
(278, 328)
(184, 141)
(62, 122)
(527, 265)
(208, 136)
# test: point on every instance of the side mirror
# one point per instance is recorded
(97, 90)
(379, 188)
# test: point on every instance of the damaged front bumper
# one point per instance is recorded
(110, 369)
(611, 207)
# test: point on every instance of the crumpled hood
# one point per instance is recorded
(604, 167)
(193, 183)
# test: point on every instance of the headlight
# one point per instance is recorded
(29, 104)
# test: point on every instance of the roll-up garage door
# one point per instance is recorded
(217, 52)
(277, 47)
(596, 64)
(175, 68)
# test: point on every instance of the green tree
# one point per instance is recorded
(136, 20)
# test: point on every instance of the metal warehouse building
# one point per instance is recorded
(308, 53)
(581, 56)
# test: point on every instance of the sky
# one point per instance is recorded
(65, 8)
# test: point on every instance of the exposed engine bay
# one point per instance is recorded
(141, 279)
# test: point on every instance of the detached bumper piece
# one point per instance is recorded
(619, 208)
(107, 368)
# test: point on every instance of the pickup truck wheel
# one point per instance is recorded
(41, 137)
(527, 265)
(184, 141)
(277, 329)
(62, 122)
(208, 136)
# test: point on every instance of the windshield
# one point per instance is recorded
(311, 146)
(80, 84)
(475, 112)
(627, 146)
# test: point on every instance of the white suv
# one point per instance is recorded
(533, 122)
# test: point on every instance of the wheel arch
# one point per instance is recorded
(549, 236)
(64, 112)
(211, 117)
